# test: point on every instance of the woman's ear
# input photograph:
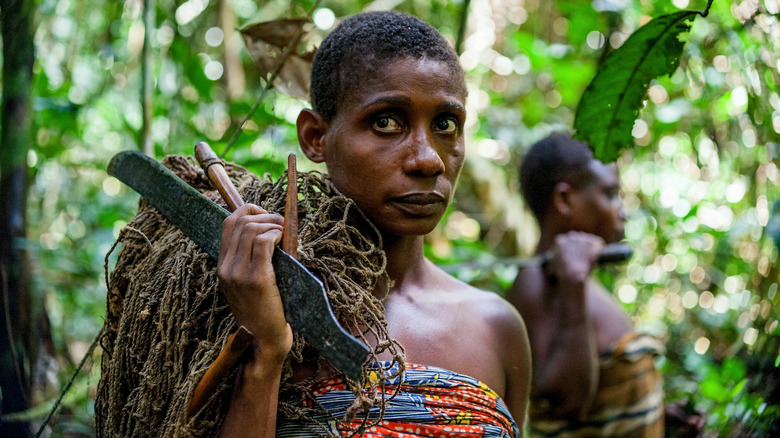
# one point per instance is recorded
(562, 199)
(311, 134)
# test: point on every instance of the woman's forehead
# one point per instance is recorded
(407, 74)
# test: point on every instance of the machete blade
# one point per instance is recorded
(303, 295)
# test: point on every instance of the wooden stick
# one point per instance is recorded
(215, 170)
(237, 343)
(290, 231)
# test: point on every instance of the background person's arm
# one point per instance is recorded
(570, 372)
(563, 343)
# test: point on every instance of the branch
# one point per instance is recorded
(270, 83)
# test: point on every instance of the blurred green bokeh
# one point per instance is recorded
(700, 186)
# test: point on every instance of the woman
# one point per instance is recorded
(387, 117)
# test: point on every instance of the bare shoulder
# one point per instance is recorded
(503, 333)
(600, 298)
(494, 334)
(610, 319)
(483, 305)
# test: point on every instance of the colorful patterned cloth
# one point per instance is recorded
(432, 402)
(629, 401)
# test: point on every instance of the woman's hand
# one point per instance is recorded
(247, 278)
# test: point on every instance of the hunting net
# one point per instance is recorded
(166, 320)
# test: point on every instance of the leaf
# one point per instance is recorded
(610, 104)
(266, 43)
(773, 227)
(733, 369)
(714, 390)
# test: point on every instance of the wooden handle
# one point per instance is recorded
(213, 167)
(237, 343)
(611, 253)
(615, 253)
(290, 231)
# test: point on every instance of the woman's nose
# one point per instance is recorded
(423, 158)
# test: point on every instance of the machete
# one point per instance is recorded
(611, 253)
(303, 295)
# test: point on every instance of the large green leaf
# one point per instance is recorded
(610, 104)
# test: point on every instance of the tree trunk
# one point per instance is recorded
(16, 350)
(147, 84)
(234, 72)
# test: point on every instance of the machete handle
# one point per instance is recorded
(615, 253)
(235, 346)
(215, 169)
(237, 343)
(290, 230)
(610, 253)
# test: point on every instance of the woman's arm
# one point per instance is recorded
(247, 279)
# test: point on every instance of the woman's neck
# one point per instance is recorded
(405, 260)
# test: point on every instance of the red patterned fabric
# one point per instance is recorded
(432, 402)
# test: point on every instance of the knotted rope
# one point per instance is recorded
(166, 320)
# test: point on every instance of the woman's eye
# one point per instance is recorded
(447, 125)
(387, 124)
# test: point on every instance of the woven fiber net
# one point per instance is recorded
(166, 320)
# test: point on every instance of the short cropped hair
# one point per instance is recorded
(554, 159)
(362, 44)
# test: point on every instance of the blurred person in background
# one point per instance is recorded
(593, 373)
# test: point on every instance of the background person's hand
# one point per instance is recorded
(574, 255)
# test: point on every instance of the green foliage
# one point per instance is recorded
(726, 390)
(699, 184)
(773, 227)
(606, 113)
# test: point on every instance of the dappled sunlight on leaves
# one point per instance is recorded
(267, 42)
(700, 179)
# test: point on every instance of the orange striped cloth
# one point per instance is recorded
(629, 400)
(431, 402)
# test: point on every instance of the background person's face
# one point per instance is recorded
(396, 145)
(599, 209)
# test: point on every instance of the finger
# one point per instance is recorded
(263, 246)
(252, 234)
(249, 225)
(241, 227)
(230, 223)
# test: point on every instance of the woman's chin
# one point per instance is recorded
(417, 228)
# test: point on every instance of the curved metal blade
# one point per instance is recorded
(304, 298)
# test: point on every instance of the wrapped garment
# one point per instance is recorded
(629, 398)
(430, 402)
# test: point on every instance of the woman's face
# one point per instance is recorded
(396, 145)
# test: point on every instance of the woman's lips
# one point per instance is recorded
(420, 204)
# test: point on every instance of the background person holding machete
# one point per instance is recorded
(388, 98)
(593, 375)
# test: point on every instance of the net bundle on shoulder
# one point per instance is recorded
(166, 320)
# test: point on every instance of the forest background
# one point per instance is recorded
(699, 184)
